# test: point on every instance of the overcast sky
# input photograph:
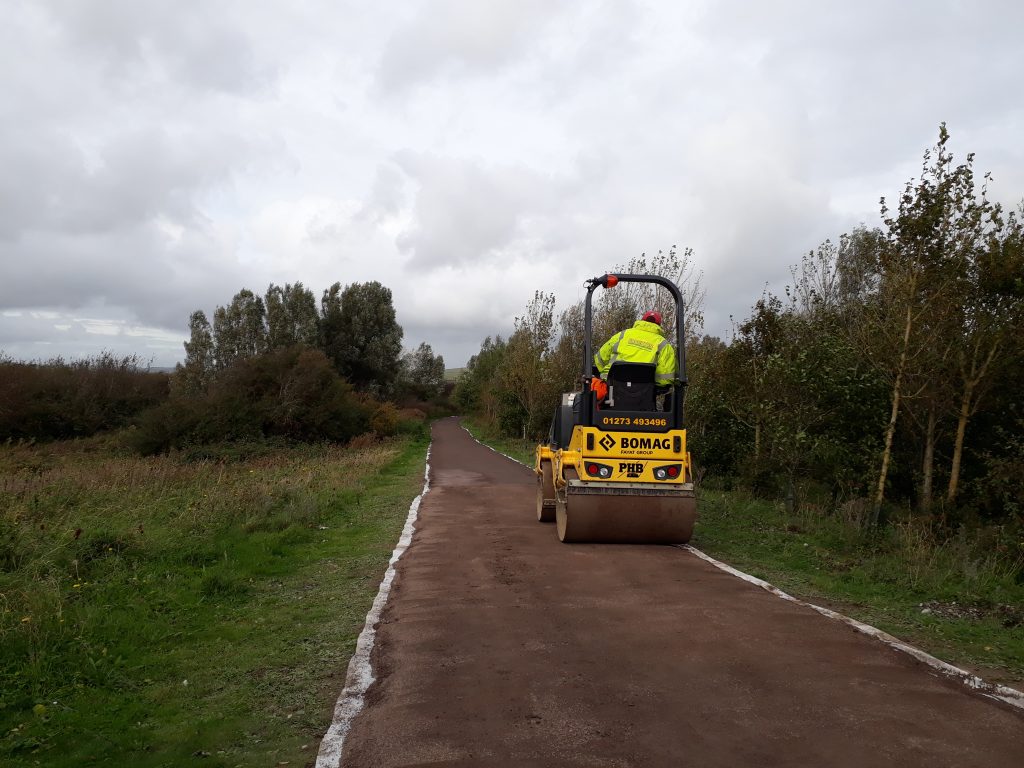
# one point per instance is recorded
(159, 156)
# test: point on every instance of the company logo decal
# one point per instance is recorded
(606, 442)
(650, 443)
(632, 469)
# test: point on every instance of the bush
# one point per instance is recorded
(385, 420)
(292, 393)
(413, 422)
(56, 400)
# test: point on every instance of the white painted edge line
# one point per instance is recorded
(1003, 693)
(485, 445)
(1010, 696)
(360, 677)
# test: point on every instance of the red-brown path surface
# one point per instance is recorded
(501, 646)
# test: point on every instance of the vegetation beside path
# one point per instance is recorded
(956, 599)
(518, 449)
(165, 611)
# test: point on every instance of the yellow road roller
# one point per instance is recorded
(615, 467)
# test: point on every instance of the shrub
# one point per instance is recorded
(385, 420)
(413, 422)
(57, 400)
(292, 393)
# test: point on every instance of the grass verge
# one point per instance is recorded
(951, 598)
(520, 450)
(164, 612)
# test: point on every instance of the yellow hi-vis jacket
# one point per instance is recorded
(643, 343)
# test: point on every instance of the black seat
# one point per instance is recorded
(631, 387)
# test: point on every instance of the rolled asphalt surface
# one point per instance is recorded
(501, 646)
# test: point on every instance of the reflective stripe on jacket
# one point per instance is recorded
(643, 343)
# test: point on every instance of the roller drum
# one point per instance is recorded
(591, 514)
(545, 494)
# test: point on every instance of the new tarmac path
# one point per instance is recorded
(500, 646)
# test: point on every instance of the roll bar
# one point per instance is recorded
(609, 280)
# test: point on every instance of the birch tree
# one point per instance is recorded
(917, 270)
(524, 372)
(991, 318)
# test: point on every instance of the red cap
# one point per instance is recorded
(652, 317)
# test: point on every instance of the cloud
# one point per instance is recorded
(160, 156)
(748, 179)
(125, 228)
(198, 45)
(46, 334)
(114, 156)
(134, 176)
(465, 211)
(460, 37)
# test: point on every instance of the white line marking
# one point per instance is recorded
(360, 677)
(1010, 696)
(1003, 693)
(485, 445)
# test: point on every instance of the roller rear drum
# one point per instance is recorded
(545, 494)
(601, 515)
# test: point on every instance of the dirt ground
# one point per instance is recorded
(500, 646)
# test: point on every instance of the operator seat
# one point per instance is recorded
(631, 387)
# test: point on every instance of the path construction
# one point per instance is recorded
(501, 646)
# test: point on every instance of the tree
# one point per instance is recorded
(366, 339)
(817, 283)
(194, 376)
(291, 316)
(423, 372)
(904, 327)
(565, 360)
(620, 307)
(718, 440)
(291, 392)
(239, 330)
(477, 389)
(330, 324)
(744, 375)
(524, 372)
(990, 315)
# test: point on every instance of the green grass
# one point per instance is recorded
(521, 450)
(165, 612)
(960, 599)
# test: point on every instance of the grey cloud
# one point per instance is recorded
(46, 334)
(161, 279)
(197, 43)
(455, 345)
(877, 77)
(139, 174)
(128, 232)
(466, 212)
(439, 146)
(467, 37)
(387, 195)
(106, 197)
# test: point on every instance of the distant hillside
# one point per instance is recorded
(451, 374)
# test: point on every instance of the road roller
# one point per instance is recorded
(615, 467)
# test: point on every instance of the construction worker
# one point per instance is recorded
(645, 342)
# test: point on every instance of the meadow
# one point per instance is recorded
(200, 605)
